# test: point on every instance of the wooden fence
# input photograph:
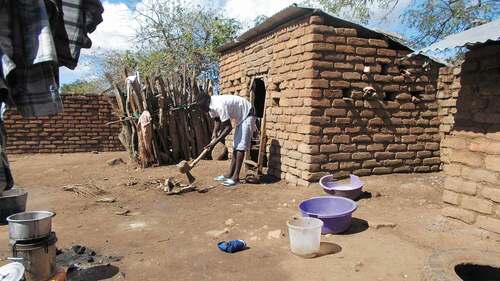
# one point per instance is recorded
(161, 123)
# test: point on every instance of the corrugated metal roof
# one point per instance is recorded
(294, 12)
(477, 35)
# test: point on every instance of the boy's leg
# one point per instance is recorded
(239, 156)
(242, 144)
(238, 134)
(232, 166)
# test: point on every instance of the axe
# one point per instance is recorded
(185, 167)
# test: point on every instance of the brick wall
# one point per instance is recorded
(80, 128)
(469, 100)
(318, 121)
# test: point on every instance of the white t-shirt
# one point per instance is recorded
(228, 107)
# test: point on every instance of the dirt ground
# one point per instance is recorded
(172, 237)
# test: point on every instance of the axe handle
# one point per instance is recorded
(195, 161)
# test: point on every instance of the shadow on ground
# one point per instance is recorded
(96, 273)
(327, 248)
(357, 226)
(364, 195)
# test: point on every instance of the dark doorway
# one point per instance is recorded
(259, 103)
(474, 272)
(259, 97)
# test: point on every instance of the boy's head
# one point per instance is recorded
(204, 102)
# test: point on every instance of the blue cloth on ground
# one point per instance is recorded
(232, 246)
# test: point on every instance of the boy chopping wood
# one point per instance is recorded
(224, 109)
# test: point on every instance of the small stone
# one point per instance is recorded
(132, 183)
(422, 202)
(122, 213)
(377, 194)
(115, 161)
(106, 200)
(274, 234)
(357, 266)
(285, 205)
(381, 224)
(229, 222)
(217, 233)
(95, 152)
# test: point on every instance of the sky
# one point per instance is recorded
(117, 30)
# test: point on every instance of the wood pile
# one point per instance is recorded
(176, 129)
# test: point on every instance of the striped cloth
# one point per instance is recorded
(35, 78)
(6, 48)
(37, 36)
(75, 19)
(6, 180)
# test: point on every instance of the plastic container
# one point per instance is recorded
(351, 190)
(305, 236)
(335, 212)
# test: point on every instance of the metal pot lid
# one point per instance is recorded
(12, 272)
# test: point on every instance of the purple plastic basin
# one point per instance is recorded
(350, 190)
(335, 212)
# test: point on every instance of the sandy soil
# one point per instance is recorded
(168, 237)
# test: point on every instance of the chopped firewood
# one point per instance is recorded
(205, 189)
(86, 190)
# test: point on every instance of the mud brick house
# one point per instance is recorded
(339, 98)
(469, 100)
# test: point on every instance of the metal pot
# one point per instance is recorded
(38, 259)
(30, 225)
(12, 202)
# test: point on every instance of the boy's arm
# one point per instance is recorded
(226, 128)
(215, 132)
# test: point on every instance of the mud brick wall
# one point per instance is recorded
(318, 121)
(469, 99)
(80, 128)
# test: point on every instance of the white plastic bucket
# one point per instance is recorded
(305, 236)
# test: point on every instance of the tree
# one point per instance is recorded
(356, 10)
(173, 34)
(83, 87)
(259, 19)
(436, 19)
(431, 19)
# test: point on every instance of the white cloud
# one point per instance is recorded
(116, 32)
(117, 29)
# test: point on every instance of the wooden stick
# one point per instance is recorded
(263, 140)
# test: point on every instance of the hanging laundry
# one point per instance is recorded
(36, 38)
(73, 20)
(145, 139)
